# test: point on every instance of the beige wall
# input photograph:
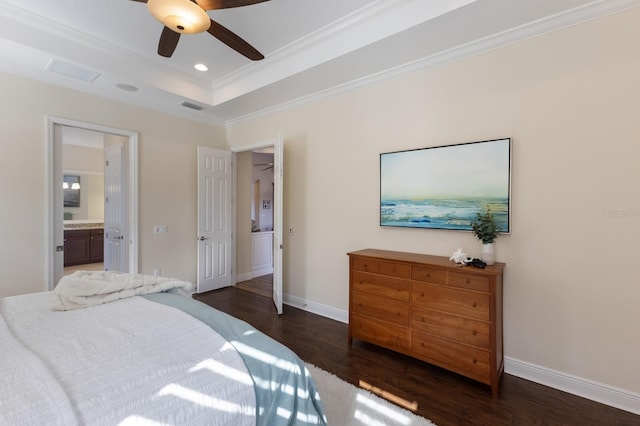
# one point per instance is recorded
(167, 178)
(83, 158)
(570, 100)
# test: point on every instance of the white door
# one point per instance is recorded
(57, 209)
(278, 177)
(115, 231)
(215, 219)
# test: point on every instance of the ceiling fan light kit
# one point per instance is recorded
(189, 17)
(181, 16)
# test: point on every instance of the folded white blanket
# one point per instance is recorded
(83, 289)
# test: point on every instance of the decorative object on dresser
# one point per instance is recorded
(428, 308)
(486, 229)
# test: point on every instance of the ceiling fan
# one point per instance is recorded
(269, 166)
(190, 17)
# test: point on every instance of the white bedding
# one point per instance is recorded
(51, 361)
(84, 289)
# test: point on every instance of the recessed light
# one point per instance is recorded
(126, 87)
(201, 67)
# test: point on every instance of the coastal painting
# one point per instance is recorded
(444, 187)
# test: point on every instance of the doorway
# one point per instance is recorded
(83, 199)
(255, 195)
(55, 205)
(243, 159)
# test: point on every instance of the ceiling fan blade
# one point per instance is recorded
(234, 41)
(141, 1)
(168, 42)
(225, 4)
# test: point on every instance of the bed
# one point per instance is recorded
(144, 357)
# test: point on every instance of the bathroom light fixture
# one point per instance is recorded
(74, 185)
(181, 16)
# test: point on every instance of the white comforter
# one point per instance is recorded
(128, 362)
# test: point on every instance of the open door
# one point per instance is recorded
(215, 219)
(115, 231)
(278, 179)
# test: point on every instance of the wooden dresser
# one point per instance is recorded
(429, 308)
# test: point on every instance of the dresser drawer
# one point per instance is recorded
(469, 281)
(451, 300)
(380, 333)
(391, 269)
(381, 308)
(452, 327)
(457, 357)
(380, 285)
(429, 275)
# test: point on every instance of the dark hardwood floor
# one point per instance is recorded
(444, 398)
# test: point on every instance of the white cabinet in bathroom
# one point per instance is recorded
(261, 253)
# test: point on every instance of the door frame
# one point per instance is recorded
(250, 147)
(55, 227)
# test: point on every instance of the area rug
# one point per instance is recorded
(346, 405)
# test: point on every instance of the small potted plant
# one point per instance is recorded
(486, 229)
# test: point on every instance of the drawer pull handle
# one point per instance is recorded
(475, 361)
(475, 333)
(474, 304)
(468, 280)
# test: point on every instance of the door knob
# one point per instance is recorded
(203, 238)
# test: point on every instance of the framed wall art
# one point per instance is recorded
(443, 187)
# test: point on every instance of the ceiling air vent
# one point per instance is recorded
(191, 105)
(72, 70)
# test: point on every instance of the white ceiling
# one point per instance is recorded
(312, 47)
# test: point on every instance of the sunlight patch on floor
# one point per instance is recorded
(412, 406)
(390, 413)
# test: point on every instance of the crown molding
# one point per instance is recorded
(365, 26)
(588, 12)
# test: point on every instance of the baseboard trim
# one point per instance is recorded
(316, 308)
(243, 277)
(599, 392)
(261, 272)
(253, 274)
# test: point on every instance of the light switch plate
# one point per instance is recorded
(160, 229)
